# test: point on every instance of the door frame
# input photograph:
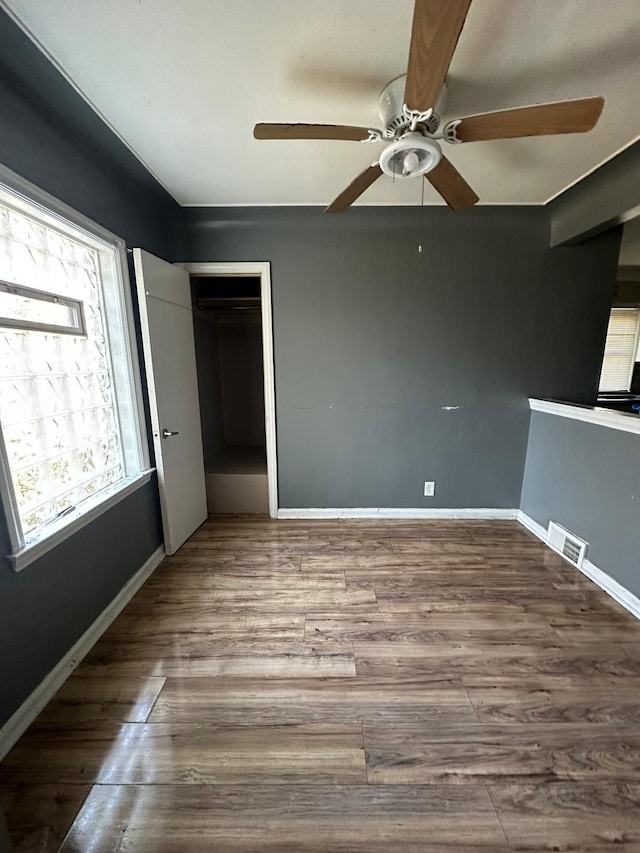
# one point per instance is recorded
(263, 270)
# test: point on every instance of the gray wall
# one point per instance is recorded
(5, 844)
(373, 341)
(630, 245)
(230, 380)
(209, 390)
(605, 198)
(587, 477)
(51, 137)
(242, 380)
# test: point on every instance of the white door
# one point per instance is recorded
(164, 295)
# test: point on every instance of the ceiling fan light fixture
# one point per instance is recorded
(410, 107)
(410, 157)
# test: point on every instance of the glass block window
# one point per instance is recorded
(70, 425)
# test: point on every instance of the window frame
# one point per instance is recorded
(126, 370)
(42, 296)
(635, 353)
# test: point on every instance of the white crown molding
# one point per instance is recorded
(589, 414)
(322, 204)
(417, 514)
(16, 725)
(618, 592)
(593, 169)
(63, 72)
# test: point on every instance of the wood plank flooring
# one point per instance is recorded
(344, 687)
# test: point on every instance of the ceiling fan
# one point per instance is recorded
(410, 108)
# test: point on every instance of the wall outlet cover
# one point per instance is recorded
(429, 488)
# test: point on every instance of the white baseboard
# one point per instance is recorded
(618, 592)
(16, 725)
(419, 513)
(532, 526)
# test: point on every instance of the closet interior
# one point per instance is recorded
(228, 342)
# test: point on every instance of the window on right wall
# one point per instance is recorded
(620, 350)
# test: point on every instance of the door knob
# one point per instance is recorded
(166, 433)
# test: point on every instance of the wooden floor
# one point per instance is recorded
(326, 687)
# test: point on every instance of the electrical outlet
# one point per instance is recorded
(429, 488)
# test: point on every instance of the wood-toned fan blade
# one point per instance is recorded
(453, 188)
(436, 28)
(355, 189)
(310, 131)
(541, 120)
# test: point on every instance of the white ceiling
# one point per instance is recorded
(183, 81)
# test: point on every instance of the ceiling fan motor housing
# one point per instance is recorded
(390, 110)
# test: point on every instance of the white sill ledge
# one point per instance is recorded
(70, 524)
(589, 414)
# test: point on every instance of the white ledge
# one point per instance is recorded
(623, 421)
(56, 533)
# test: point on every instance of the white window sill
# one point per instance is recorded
(65, 527)
(623, 421)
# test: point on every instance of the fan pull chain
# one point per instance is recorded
(421, 218)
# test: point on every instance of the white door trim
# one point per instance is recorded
(262, 269)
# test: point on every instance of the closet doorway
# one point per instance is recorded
(234, 355)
